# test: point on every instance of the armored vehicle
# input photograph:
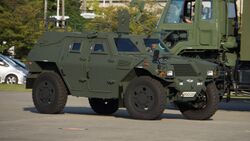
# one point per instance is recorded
(119, 70)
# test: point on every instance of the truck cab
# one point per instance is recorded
(209, 29)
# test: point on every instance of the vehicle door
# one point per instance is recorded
(102, 69)
(73, 63)
(208, 29)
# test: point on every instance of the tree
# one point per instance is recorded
(107, 20)
(21, 21)
(19, 24)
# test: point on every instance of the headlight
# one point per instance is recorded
(199, 83)
(210, 73)
(164, 74)
(170, 73)
(181, 83)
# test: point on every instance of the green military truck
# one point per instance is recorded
(119, 70)
(209, 29)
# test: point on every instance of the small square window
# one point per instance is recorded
(76, 47)
(98, 48)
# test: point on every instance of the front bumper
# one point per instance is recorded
(188, 87)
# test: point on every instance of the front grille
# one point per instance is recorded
(184, 70)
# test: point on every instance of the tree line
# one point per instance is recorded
(21, 21)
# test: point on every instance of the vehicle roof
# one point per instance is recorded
(54, 37)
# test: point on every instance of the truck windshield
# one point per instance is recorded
(155, 44)
(174, 11)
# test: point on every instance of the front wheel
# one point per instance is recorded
(204, 107)
(145, 98)
(49, 93)
(11, 79)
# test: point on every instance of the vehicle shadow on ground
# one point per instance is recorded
(234, 105)
(121, 113)
(241, 105)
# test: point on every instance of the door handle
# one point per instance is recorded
(82, 80)
(87, 75)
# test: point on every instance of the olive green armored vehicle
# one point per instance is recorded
(119, 70)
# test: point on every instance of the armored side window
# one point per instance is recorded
(98, 48)
(174, 12)
(75, 47)
(125, 45)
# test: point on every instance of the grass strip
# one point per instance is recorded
(13, 88)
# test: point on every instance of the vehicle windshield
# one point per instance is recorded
(174, 11)
(8, 60)
(18, 63)
(125, 45)
(152, 44)
(13, 62)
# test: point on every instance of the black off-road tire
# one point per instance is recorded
(49, 93)
(104, 106)
(212, 96)
(145, 98)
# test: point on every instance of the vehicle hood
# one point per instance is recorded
(186, 65)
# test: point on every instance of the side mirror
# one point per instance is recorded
(156, 55)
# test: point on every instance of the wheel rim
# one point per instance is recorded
(142, 98)
(11, 80)
(46, 92)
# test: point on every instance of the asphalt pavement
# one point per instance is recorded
(19, 121)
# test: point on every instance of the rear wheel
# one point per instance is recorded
(204, 107)
(49, 93)
(11, 79)
(145, 98)
(104, 106)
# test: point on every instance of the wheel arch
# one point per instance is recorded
(137, 72)
(44, 67)
(9, 74)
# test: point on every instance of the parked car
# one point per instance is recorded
(19, 63)
(12, 72)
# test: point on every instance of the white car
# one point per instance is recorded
(11, 72)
